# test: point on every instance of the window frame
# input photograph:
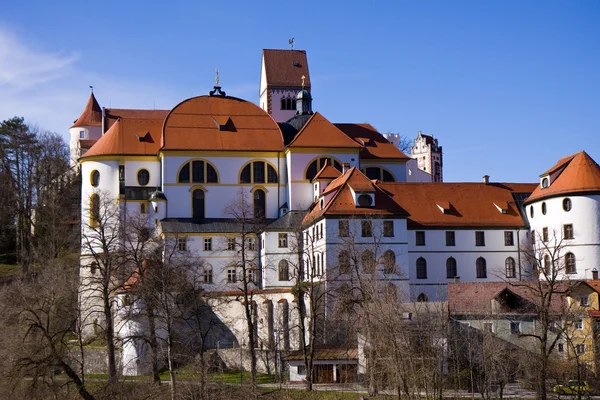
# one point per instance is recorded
(388, 228)
(188, 166)
(451, 265)
(366, 228)
(208, 244)
(343, 228)
(509, 238)
(207, 274)
(515, 327)
(570, 263)
(231, 275)
(95, 178)
(270, 175)
(282, 240)
(568, 232)
(230, 244)
(421, 268)
(139, 180)
(510, 268)
(545, 235)
(389, 262)
(420, 238)
(182, 243)
(481, 268)
(567, 204)
(480, 238)
(283, 271)
(450, 238)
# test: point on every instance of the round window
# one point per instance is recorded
(531, 211)
(567, 204)
(545, 183)
(544, 208)
(364, 200)
(143, 177)
(95, 178)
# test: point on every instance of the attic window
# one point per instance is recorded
(502, 206)
(224, 123)
(545, 182)
(364, 200)
(144, 138)
(444, 206)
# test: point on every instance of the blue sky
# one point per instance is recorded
(507, 87)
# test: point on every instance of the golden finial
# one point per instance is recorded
(303, 78)
(217, 78)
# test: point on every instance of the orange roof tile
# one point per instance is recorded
(374, 144)
(123, 138)
(577, 173)
(286, 67)
(471, 204)
(191, 126)
(113, 114)
(342, 202)
(327, 172)
(87, 143)
(91, 115)
(319, 132)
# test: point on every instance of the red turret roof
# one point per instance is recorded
(576, 173)
(286, 68)
(91, 115)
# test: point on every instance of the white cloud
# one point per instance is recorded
(49, 89)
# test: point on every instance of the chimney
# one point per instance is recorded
(595, 274)
(486, 179)
(345, 167)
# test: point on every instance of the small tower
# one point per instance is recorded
(303, 101)
(86, 130)
(428, 153)
(280, 78)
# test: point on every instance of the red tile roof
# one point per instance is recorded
(577, 173)
(375, 146)
(475, 298)
(342, 202)
(327, 172)
(91, 115)
(113, 114)
(86, 144)
(191, 126)
(319, 132)
(286, 68)
(471, 204)
(123, 138)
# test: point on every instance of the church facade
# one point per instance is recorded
(341, 190)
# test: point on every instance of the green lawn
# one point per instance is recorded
(9, 270)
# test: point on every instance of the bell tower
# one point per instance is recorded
(86, 130)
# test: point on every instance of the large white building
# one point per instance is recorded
(325, 194)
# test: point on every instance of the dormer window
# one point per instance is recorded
(365, 199)
(545, 182)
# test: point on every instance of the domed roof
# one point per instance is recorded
(303, 95)
(220, 123)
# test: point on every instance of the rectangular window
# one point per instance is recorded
(198, 171)
(182, 244)
(81, 134)
(230, 244)
(306, 238)
(508, 238)
(366, 229)
(343, 228)
(479, 238)
(301, 370)
(231, 275)
(515, 328)
(450, 239)
(545, 234)
(568, 231)
(580, 348)
(388, 228)
(583, 301)
(561, 348)
(253, 275)
(207, 275)
(259, 171)
(533, 238)
(251, 244)
(578, 324)
(283, 240)
(207, 244)
(420, 238)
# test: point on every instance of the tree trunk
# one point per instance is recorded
(153, 343)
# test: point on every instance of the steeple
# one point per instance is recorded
(91, 115)
(303, 101)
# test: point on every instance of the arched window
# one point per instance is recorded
(368, 261)
(143, 177)
(547, 265)
(316, 165)
(391, 292)
(198, 171)
(389, 262)
(481, 268)
(570, 267)
(567, 204)
(509, 266)
(344, 261)
(284, 271)
(421, 268)
(422, 298)
(451, 268)
(260, 203)
(143, 209)
(378, 173)
(207, 274)
(94, 210)
(258, 172)
(95, 178)
(198, 204)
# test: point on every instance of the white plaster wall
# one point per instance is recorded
(585, 217)
(435, 252)
(271, 254)
(132, 168)
(220, 195)
(90, 133)
(263, 87)
(277, 94)
(414, 174)
(301, 190)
